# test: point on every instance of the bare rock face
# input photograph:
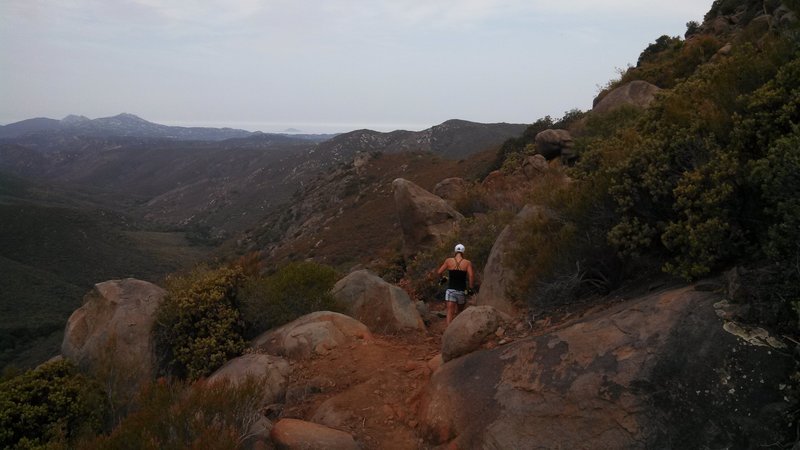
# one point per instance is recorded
(383, 307)
(424, 217)
(314, 333)
(468, 331)
(534, 166)
(659, 371)
(451, 189)
(554, 143)
(272, 373)
(637, 93)
(497, 275)
(293, 434)
(112, 331)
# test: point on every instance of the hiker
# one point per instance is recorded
(460, 281)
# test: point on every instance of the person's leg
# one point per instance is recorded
(451, 311)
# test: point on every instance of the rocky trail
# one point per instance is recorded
(372, 389)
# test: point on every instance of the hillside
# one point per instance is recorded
(221, 187)
(454, 139)
(55, 244)
(347, 216)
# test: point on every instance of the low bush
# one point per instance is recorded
(49, 407)
(180, 416)
(294, 290)
(198, 327)
(561, 252)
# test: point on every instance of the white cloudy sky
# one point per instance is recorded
(321, 66)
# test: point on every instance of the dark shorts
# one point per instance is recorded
(456, 296)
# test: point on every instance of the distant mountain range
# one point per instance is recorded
(128, 125)
(225, 185)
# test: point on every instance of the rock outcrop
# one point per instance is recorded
(451, 189)
(293, 434)
(383, 307)
(271, 373)
(637, 93)
(534, 166)
(554, 144)
(468, 331)
(314, 333)
(424, 218)
(497, 275)
(111, 332)
(659, 371)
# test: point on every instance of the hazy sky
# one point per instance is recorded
(320, 66)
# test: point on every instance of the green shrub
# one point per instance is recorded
(294, 290)
(777, 176)
(49, 407)
(179, 416)
(561, 252)
(680, 190)
(664, 43)
(670, 60)
(198, 327)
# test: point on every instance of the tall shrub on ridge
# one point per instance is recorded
(198, 327)
(294, 290)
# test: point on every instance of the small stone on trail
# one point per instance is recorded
(500, 332)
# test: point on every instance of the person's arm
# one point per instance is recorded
(442, 268)
(471, 276)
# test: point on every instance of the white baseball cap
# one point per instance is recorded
(459, 248)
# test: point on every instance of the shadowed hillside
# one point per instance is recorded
(54, 247)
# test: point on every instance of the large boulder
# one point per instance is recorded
(659, 371)
(637, 93)
(424, 218)
(314, 333)
(294, 434)
(469, 331)
(497, 275)
(554, 143)
(534, 165)
(270, 372)
(451, 189)
(383, 307)
(111, 334)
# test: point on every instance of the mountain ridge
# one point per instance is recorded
(124, 124)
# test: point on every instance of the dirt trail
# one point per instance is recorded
(369, 389)
(372, 389)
